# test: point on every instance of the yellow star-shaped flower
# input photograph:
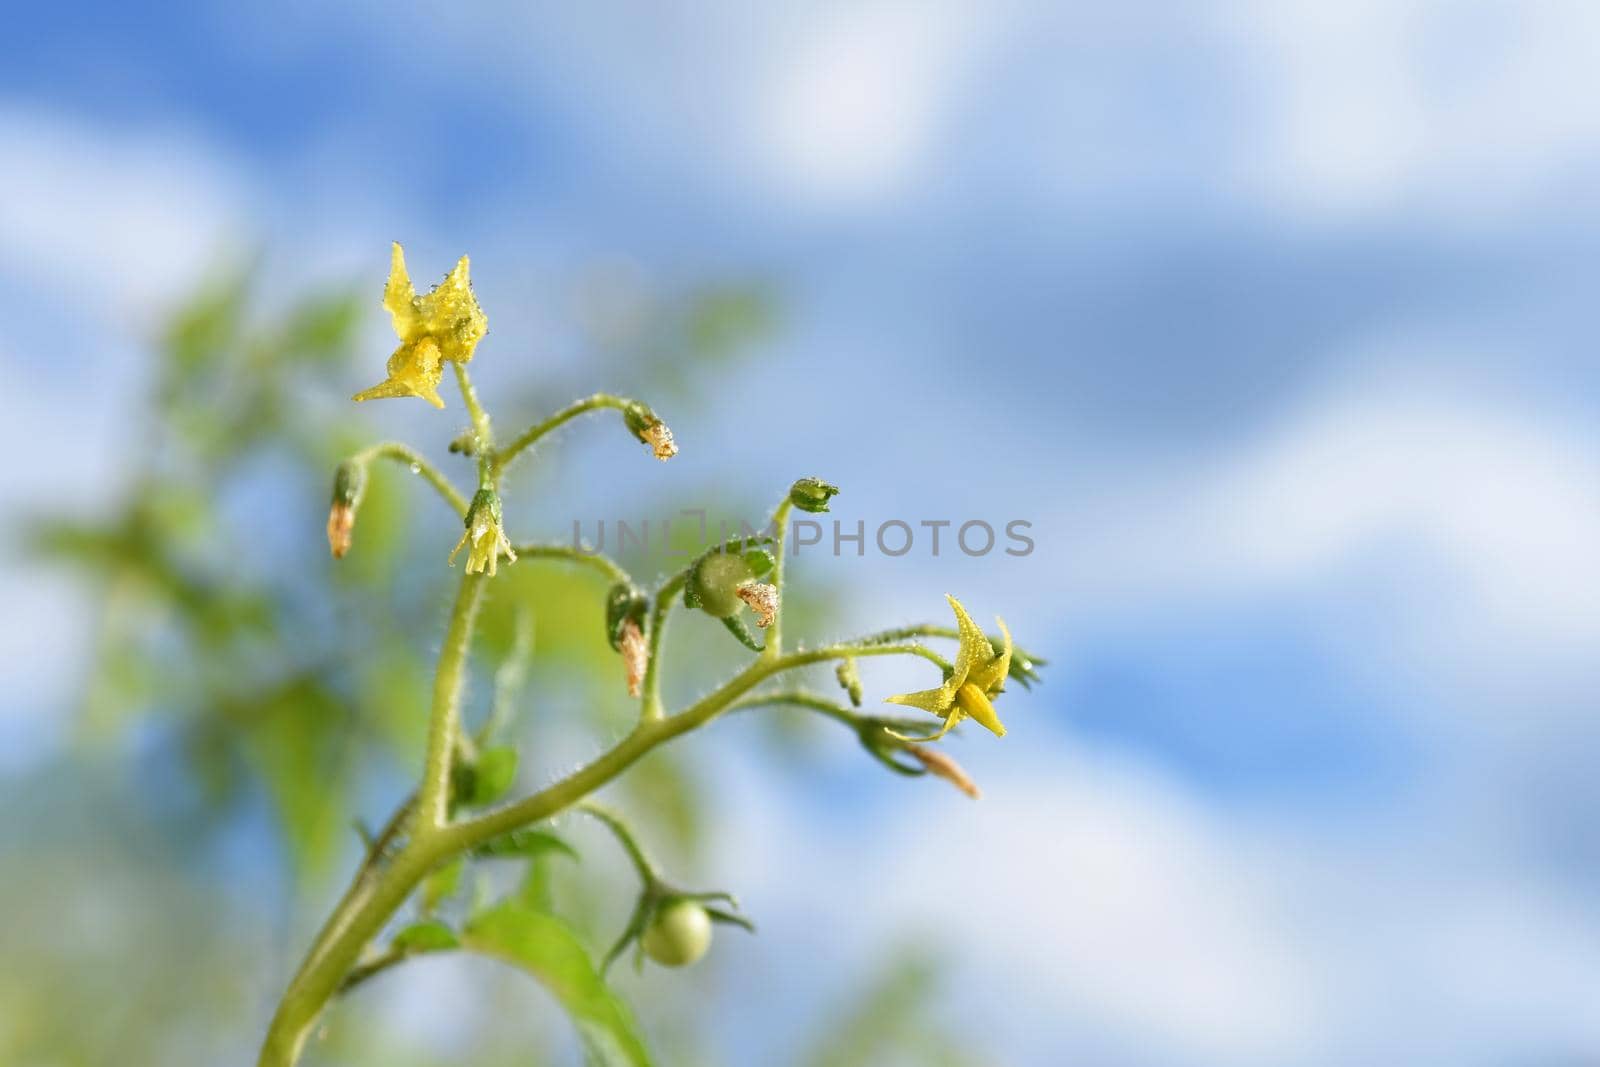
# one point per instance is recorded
(485, 539)
(979, 675)
(445, 325)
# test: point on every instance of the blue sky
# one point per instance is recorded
(1274, 318)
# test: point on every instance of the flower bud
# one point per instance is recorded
(349, 482)
(812, 494)
(648, 428)
(849, 680)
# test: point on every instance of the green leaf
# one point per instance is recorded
(493, 774)
(441, 884)
(547, 948)
(525, 843)
(430, 935)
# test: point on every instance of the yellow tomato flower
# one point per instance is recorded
(485, 538)
(979, 674)
(446, 325)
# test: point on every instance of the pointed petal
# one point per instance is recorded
(974, 649)
(933, 701)
(451, 315)
(399, 296)
(396, 387)
(991, 676)
(972, 700)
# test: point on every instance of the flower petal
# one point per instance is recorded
(991, 676)
(974, 649)
(400, 296)
(933, 701)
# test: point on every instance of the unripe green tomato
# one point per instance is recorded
(716, 583)
(678, 935)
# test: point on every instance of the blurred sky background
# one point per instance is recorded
(1275, 318)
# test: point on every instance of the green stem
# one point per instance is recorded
(800, 699)
(598, 560)
(624, 836)
(410, 457)
(665, 596)
(780, 532)
(433, 796)
(377, 893)
(524, 440)
(358, 918)
(480, 418)
(646, 736)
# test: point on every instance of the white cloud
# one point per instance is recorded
(1426, 105)
(1493, 506)
(853, 99)
(1095, 907)
(119, 217)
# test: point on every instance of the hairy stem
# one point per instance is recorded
(624, 836)
(658, 622)
(780, 533)
(410, 457)
(444, 724)
(598, 560)
(525, 440)
(480, 419)
(378, 891)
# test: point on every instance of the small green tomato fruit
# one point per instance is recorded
(678, 935)
(714, 584)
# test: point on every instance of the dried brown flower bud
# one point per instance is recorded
(659, 438)
(942, 766)
(635, 655)
(341, 525)
(763, 600)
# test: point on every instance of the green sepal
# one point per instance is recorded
(639, 418)
(738, 629)
(624, 603)
(349, 483)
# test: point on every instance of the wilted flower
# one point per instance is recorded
(446, 325)
(635, 655)
(341, 525)
(763, 600)
(978, 675)
(659, 438)
(485, 538)
(349, 482)
(647, 426)
(942, 766)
